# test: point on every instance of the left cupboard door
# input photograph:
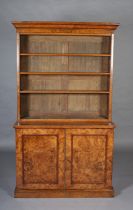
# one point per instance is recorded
(40, 158)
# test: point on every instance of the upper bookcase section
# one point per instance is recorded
(38, 27)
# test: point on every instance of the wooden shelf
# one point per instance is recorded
(67, 73)
(66, 116)
(64, 92)
(65, 54)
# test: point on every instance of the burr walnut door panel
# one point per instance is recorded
(40, 158)
(89, 158)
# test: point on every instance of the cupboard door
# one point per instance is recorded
(40, 158)
(89, 158)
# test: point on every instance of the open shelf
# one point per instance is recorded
(33, 105)
(68, 83)
(65, 44)
(64, 64)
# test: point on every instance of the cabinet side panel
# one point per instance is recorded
(19, 159)
(109, 157)
(18, 75)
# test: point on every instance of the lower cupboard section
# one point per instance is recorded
(64, 162)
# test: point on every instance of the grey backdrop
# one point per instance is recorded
(69, 10)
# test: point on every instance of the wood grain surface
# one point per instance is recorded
(40, 158)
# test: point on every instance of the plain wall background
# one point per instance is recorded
(69, 10)
(120, 11)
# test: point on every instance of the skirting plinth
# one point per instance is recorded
(23, 193)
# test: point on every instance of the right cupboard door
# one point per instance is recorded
(89, 158)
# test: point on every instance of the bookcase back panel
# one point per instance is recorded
(64, 44)
(58, 82)
(69, 106)
(64, 64)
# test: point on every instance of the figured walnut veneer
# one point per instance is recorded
(35, 146)
(67, 159)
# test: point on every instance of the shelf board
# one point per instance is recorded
(65, 54)
(63, 92)
(64, 122)
(66, 116)
(67, 73)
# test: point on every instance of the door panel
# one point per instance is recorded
(88, 158)
(41, 158)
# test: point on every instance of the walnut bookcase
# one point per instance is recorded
(64, 129)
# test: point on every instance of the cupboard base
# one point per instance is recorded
(25, 193)
(64, 162)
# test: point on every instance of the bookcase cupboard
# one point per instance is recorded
(64, 128)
